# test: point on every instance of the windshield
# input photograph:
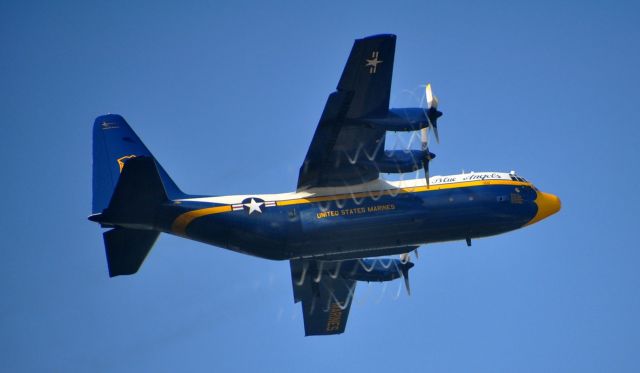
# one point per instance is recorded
(518, 178)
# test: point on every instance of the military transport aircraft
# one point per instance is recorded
(342, 212)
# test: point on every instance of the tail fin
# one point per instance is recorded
(114, 142)
(128, 186)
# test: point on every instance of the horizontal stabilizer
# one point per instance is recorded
(127, 248)
(137, 195)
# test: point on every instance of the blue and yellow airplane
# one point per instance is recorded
(342, 214)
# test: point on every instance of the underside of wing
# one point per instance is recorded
(344, 149)
(348, 147)
(326, 299)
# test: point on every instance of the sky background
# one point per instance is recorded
(227, 95)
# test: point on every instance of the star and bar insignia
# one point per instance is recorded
(372, 63)
(252, 205)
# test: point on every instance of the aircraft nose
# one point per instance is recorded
(548, 204)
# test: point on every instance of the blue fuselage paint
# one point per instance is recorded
(356, 228)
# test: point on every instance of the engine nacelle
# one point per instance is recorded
(380, 270)
(400, 161)
(402, 119)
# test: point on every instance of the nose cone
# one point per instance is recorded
(548, 204)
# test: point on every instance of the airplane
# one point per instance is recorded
(342, 217)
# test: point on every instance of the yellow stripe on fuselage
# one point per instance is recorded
(393, 192)
(179, 225)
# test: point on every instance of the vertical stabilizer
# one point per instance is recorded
(114, 143)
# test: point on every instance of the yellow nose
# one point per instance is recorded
(548, 204)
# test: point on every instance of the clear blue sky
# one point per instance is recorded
(227, 96)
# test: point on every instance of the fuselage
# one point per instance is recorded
(372, 219)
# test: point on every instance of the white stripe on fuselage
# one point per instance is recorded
(372, 186)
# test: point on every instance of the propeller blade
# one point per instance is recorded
(424, 138)
(416, 252)
(434, 128)
(432, 103)
(432, 107)
(425, 164)
(432, 100)
(405, 274)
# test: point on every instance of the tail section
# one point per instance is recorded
(114, 143)
(128, 188)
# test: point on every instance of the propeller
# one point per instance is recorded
(432, 116)
(405, 266)
(432, 111)
(405, 274)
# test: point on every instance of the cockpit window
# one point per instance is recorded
(515, 177)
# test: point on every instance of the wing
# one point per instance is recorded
(343, 146)
(326, 300)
